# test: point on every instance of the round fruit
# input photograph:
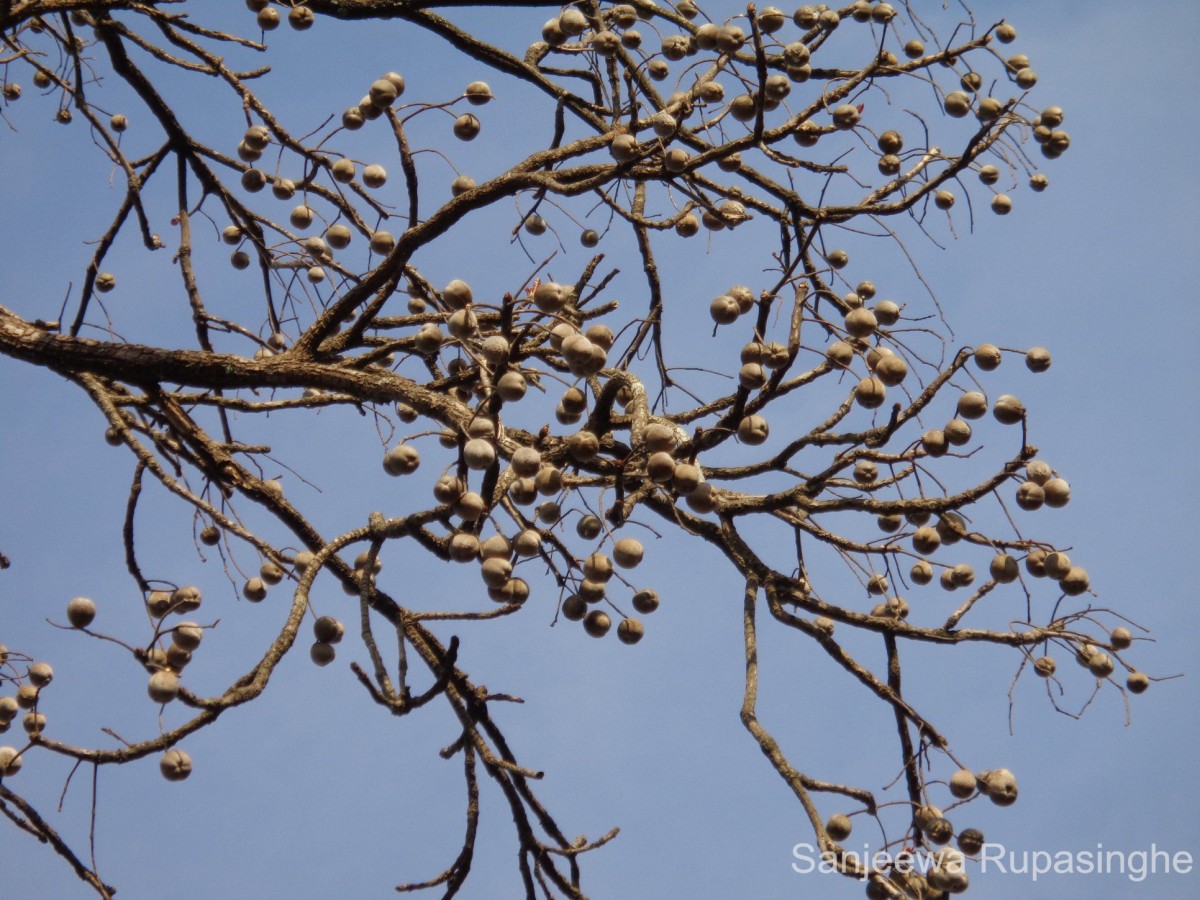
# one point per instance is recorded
(627, 552)
(382, 93)
(1044, 667)
(187, 636)
(328, 629)
(870, 393)
(466, 127)
(574, 608)
(1000, 786)
(963, 784)
(1058, 492)
(840, 353)
(254, 590)
(10, 761)
(1137, 682)
(163, 686)
(80, 612)
(322, 653)
(374, 175)
(597, 623)
(970, 840)
(926, 539)
(301, 18)
(933, 442)
(972, 405)
(478, 93)
(838, 827)
(1075, 582)
(1037, 359)
(175, 765)
(845, 116)
(646, 601)
(939, 831)
(957, 104)
(403, 459)
(382, 242)
(1004, 569)
(1101, 665)
(40, 674)
(630, 631)
(860, 322)
(1008, 410)
(1030, 496)
(753, 430)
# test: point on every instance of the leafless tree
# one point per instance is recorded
(554, 425)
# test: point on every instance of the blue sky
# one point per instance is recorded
(314, 792)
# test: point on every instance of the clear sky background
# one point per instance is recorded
(312, 792)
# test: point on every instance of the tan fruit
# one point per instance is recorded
(838, 827)
(1075, 582)
(646, 601)
(963, 784)
(870, 393)
(403, 459)
(322, 653)
(1000, 785)
(926, 540)
(163, 686)
(987, 357)
(1008, 410)
(10, 761)
(860, 322)
(630, 631)
(1057, 492)
(463, 547)
(597, 623)
(840, 353)
(753, 430)
(1030, 496)
(175, 765)
(1037, 359)
(80, 612)
(866, 471)
(1057, 565)
(1120, 638)
(466, 127)
(957, 432)
(628, 552)
(1004, 569)
(972, 405)
(1101, 665)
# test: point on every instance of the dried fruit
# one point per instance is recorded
(838, 827)
(597, 623)
(630, 631)
(963, 784)
(80, 612)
